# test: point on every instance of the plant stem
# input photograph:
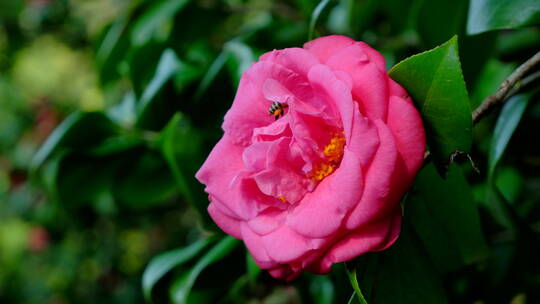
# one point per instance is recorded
(505, 89)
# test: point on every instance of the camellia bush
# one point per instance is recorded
(258, 151)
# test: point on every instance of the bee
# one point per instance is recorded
(277, 109)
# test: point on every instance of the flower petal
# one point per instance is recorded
(321, 212)
(374, 237)
(250, 107)
(218, 173)
(370, 84)
(376, 200)
(406, 124)
(325, 47)
(297, 60)
(226, 223)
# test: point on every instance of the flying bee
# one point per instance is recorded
(277, 109)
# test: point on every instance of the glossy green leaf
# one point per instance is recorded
(182, 286)
(444, 215)
(82, 179)
(322, 290)
(211, 74)
(450, 13)
(78, 131)
(167, 67)
(402, 274)
(241, 56)
(488, 15)
(181, 148)
(435, 82)
(507, 123)
(155, 17)
(315, 16)
(148, 183)
(163, 263)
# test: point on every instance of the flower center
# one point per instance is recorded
(333, 153)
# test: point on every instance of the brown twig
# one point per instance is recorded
(504, 89)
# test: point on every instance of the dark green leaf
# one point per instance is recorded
(450, 13)
(315, 16)
(154, 18)
(79, 130)
(404, 274)
(180, 147)
(167, 67)
(507, 122)
(488, 15)
(253, 270)
(445, 216)
(149, 182)
(211, 74)
(322, 290)
(241, 57)
(182, 286)
(163, 263)
(435, 82)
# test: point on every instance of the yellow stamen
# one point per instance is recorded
(282, 199)
(334, 150)
(333, 153)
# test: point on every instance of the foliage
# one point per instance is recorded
(108, 108)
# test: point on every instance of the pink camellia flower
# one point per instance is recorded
(318, 148)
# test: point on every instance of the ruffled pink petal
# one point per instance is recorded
(364, 140)
(397, 90)
(256, 247)
(325, 47)
(250, 106)
(321, 212)
(226, 223)
(375, 200)
(373, 55)
(267, 221)
(325, 84)
(374, 237)
(370, 84)
(406, 125)
(296, 59)
(218, 173)
(284, 245)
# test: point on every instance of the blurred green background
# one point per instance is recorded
(135, 92)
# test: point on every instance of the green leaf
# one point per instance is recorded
(488, 15)
(241, 57)
(182, 286)
(402, 274)
(450, 13)
(444, 215)
(211, 74)
(82, 179)
(147, 183)
(322, 290)
(507, 123)
(181, 146)
(154, 18)
(167, 67)
(79, 130)
(163, 263)
(315, 16)
(435, 82)
(253, 270)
